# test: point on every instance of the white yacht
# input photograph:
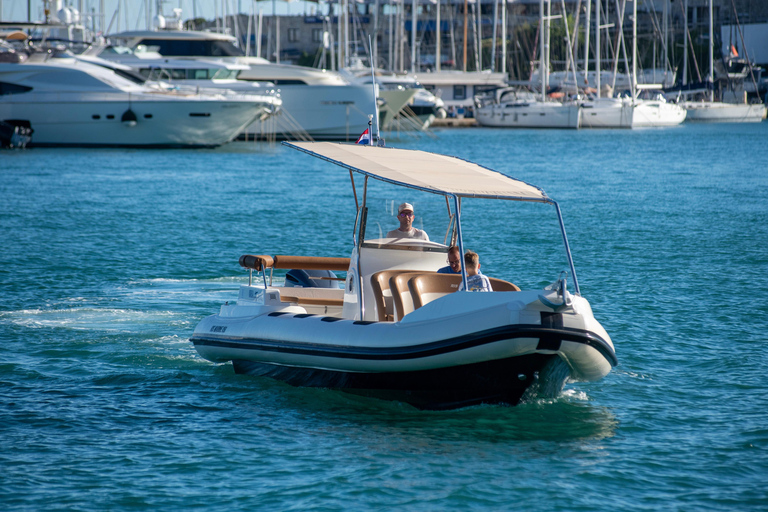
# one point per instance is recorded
(511, 108)
(418, 112)
(202, 75)
(317, 104)
(711, 111)
(656, 112)
(70, 102)
(718, 112)
(606, 113)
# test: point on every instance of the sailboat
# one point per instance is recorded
(510, 111)
(655, 111)
(598, 111)
(713, 111)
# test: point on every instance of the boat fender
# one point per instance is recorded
(129, 118)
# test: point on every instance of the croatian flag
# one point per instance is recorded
(365, 138)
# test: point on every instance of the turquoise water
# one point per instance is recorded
(110, 258)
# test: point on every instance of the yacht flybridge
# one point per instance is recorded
(397, 329)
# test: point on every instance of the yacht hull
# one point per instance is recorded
(653, 113)
(715, 112)
(606, 113)
(529, 115)
(76, 121)
(320, 112)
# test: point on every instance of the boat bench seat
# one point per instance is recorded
(399, 292)
(312, 296)
(425, 288)
(382, 293)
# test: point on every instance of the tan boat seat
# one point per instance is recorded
(401, 293)
(428, 287)
(500, 285)
(425, 288)
(382, 294)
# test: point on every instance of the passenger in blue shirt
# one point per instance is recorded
(454, 262)
(476, 282)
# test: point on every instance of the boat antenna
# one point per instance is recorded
(373, 84)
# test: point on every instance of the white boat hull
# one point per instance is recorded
(716, 112)
(75, 120)
(435, 358)
(606, 113)
(529, 115)
(322, 112)
(653, 113)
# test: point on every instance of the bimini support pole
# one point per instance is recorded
(361, 237)
(567, 248)
(460, 241)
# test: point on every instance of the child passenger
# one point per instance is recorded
(476, 282)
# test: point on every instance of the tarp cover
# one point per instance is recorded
(425, 171)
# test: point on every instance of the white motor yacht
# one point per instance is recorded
(316, 104)
(212, 76)
(69, 102)
(420, 109)
(398, 329)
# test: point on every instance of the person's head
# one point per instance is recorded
(472, 261)
(454, 259)
(405, 216)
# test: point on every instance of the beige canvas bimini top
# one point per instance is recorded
(424, 171)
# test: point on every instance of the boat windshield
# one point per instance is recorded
(430, 215)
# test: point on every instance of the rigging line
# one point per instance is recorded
(744, 46)
(690, 44)
(293, 127)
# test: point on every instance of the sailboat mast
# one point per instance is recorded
(634, 49)
(587, 26)
(598, 69)
(711, 55)
(542, 64)
(413, 37)
(438, 39)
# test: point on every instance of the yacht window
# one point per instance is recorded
(129, 75)
(459, 92)
(199, 74)
(225, 74)
(193, 48)
(6, 88)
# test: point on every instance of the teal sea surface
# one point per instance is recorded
(110, 258)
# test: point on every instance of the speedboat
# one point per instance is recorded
(397, 329)
(67, 101)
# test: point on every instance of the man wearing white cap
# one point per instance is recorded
(406, 229)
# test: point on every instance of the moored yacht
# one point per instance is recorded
(706, 111)
(317, 104)
(70, 102)
(511, 108)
